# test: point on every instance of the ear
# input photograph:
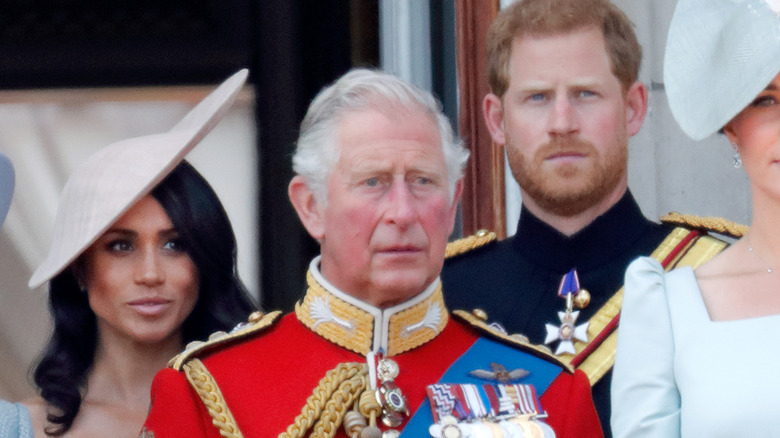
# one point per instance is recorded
(636, 107)
(731, 134)
(493, 111)
(305, 204)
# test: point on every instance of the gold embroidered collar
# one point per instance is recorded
(362, 328)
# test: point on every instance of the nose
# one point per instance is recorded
(149, 269)
(400, 210)
(563, 120)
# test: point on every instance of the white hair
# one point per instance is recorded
(317, 149)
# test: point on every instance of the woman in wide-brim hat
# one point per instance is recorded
(143, 261)
(697, 349)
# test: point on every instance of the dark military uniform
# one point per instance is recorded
(516, 280)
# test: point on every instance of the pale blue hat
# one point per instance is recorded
(6, 185)
(720, 54)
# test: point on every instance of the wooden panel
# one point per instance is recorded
(483, 196)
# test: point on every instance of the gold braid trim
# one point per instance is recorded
(339, 403)
(258, 322)
(716, 224)
(335, 393)
(480, 238)
(208, 390)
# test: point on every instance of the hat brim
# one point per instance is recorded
(113, 179)
(720, 54)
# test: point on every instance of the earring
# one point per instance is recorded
(737, 160)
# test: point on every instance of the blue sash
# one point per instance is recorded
(479, 356)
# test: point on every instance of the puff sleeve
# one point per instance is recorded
(645, 398)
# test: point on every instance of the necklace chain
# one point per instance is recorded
(750, 248)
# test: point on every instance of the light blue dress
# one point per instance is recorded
(14, 420)
(679, 374)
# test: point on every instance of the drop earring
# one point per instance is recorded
(737, 158)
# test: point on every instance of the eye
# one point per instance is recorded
(537, 97)
(423, 180)
(119, 245)
(175, 244)
(765, 100)
(587, 93)
(372, 182)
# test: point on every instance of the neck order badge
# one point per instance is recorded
(567, 332)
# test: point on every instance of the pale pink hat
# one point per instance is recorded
(111, 180)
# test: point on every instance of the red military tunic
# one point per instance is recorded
(266, 376)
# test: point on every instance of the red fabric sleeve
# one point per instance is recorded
(176, 409)
(570, 407)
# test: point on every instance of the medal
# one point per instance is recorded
(567, 332)
(489, 410)
(388, 394)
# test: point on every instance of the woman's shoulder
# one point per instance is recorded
(647, 275)
(15, 420)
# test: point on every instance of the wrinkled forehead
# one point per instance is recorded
(387, 123)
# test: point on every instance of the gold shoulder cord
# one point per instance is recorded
(481, 238)
(336, 393)
(208, 390)
(716, 224)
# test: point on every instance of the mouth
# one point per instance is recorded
(401, 250)
(565, 155)
(150, 306)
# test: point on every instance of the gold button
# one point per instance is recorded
(480, 314)
(582, 299)
(216, 335)
(193, 344)
(255, 316)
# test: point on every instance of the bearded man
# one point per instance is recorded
(565, 99)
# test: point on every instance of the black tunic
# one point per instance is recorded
(516, 280)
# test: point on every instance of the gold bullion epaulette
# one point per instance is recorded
(711, 224)
(256, 323)
(478, 320)
(466, 244)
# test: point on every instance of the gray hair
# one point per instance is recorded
(317, 150)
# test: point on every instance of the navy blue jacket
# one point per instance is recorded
(516, 280)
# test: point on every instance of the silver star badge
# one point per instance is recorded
(567, 332)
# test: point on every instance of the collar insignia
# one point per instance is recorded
(362, 328)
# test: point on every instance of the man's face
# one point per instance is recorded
(565, 120)
(385, 227)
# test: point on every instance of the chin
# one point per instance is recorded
(154, 335)
(400, 288)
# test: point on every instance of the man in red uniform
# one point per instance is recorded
(371, 349)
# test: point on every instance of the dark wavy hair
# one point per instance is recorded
(223, 301)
